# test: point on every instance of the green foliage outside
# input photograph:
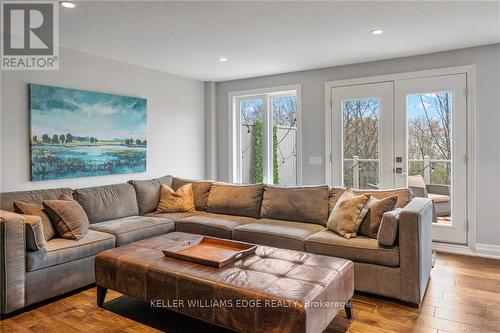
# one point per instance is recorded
(259, 153)
(276, 172)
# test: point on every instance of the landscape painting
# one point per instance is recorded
(77, 133)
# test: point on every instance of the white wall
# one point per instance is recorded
(176, 122)
(487, 61)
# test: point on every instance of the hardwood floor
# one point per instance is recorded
(463, 296)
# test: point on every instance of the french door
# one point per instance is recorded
(406, 133)
(430, 138)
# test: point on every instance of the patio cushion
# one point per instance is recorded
(134, 228)
(284, 234)
(358, 249)
(61, 250)
(215, 225)
(437, 198)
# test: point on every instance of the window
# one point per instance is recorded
(265, 137)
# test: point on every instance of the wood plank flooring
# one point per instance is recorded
(463, 296)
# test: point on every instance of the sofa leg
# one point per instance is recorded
(101, 295)
(348, 309)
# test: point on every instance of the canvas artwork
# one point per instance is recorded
(77, 133)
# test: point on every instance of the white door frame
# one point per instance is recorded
(470, 71)
(234, 128)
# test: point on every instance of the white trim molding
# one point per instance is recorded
(233, 140)
(489, 251)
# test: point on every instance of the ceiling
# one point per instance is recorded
(261, 38)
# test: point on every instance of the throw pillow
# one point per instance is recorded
(68, 217)
(36, 209)
(180, 201)
(348, 213)
(371, 223)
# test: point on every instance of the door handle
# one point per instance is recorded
(400, 171)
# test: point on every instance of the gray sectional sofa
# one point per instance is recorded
(396, 265)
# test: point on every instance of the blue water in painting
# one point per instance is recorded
(58, 161)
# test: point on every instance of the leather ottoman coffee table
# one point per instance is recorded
(273, 290)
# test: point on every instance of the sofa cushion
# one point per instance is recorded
(36, 209)
(215, 225)
(147, 193)
(302, 204)
(235, 199)
(61, 250)
(133, 228)
(104, 203)
(404, 195)
(68, 217)
(180, 201)
(359, 249)
(172, 216)
(278, 233)
(37, 196)
(201, 190)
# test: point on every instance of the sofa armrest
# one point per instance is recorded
(388, 230)
(415, 242)
(12, 261)
(438, 189)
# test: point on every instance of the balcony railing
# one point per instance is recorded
(365, 171)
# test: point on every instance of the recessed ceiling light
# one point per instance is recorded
(67, 4)
(377, 32)
(223, 59)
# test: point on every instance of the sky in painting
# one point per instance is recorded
(57, 110)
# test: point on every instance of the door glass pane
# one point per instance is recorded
(361, 143)
(284, 141)
(252, 140)
(430, 149)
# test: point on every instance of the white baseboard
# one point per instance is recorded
(488, 250)
(481, 250)
(453, 248)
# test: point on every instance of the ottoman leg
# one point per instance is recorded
(101, 295)
(348, 309)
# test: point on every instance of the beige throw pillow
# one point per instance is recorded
(371, 223)
(68, 217)
(36, 209)
(180, 201)
(348, 213)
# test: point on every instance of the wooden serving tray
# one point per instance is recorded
(210, 251)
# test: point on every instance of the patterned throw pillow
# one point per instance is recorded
(348, 213)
